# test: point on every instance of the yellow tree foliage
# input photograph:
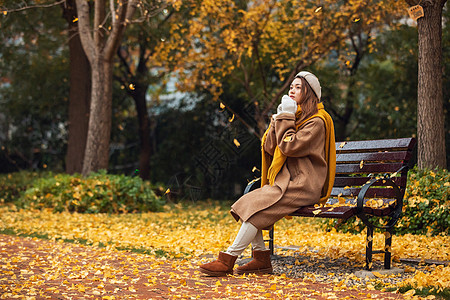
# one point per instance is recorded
(262, 44)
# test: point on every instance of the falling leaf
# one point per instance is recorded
(255, 169)
(318, 9)
(236, 142)
(361, 164)
(167, 191)
(342, 145)
(355, 20)
(222, 106)
(231, 119)
(75, 20)
(131, 87)
(316, 212)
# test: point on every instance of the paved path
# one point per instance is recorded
(42, 269)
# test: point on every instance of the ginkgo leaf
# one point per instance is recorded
(318, 9)
(342, 145)
(316, 212)
(231, 119)
(222, 106)
(236, 142)
(361, 164)
(377, 274)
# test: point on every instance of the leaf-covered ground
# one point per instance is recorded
(186, 236)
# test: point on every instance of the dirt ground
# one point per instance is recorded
(42, 269)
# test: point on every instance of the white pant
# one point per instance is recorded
(246, 235)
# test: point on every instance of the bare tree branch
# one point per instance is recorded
(84, 29)
(2, 9)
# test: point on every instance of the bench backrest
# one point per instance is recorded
(359, 161)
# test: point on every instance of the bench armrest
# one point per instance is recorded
(395, 215)
(252, 185)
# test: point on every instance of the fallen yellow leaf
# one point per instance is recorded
(316, 212)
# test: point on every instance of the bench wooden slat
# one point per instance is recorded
(339, 212)
(368, 168)
(375, 145)
(359, 181)
(372, 156)
(371, 193)
(343, 212)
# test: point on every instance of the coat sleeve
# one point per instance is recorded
(271, 142)
(310, 135)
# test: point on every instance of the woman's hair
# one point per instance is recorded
(308, 100)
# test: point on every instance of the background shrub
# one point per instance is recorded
(12, 185)
(97, 193)
(426, 208)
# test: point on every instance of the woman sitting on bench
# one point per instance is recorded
(298, 168)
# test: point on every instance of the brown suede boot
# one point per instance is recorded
(221, 267)
(259, 265)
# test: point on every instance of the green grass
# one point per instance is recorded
(424, 292)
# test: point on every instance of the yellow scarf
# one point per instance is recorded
(268, 173)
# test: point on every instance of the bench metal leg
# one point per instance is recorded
(271, 240)
(369, 242)
(386, 251)
(387, 248)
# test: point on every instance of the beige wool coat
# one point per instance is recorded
(299, 182)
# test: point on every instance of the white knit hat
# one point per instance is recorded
(313, 82)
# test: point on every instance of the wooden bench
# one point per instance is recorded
(370, 182)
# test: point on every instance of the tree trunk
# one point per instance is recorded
(100, 45)
(144, 131)
(97, 145)
(430, 112)
(79, 94)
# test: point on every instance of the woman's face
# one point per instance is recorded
(295, 90)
